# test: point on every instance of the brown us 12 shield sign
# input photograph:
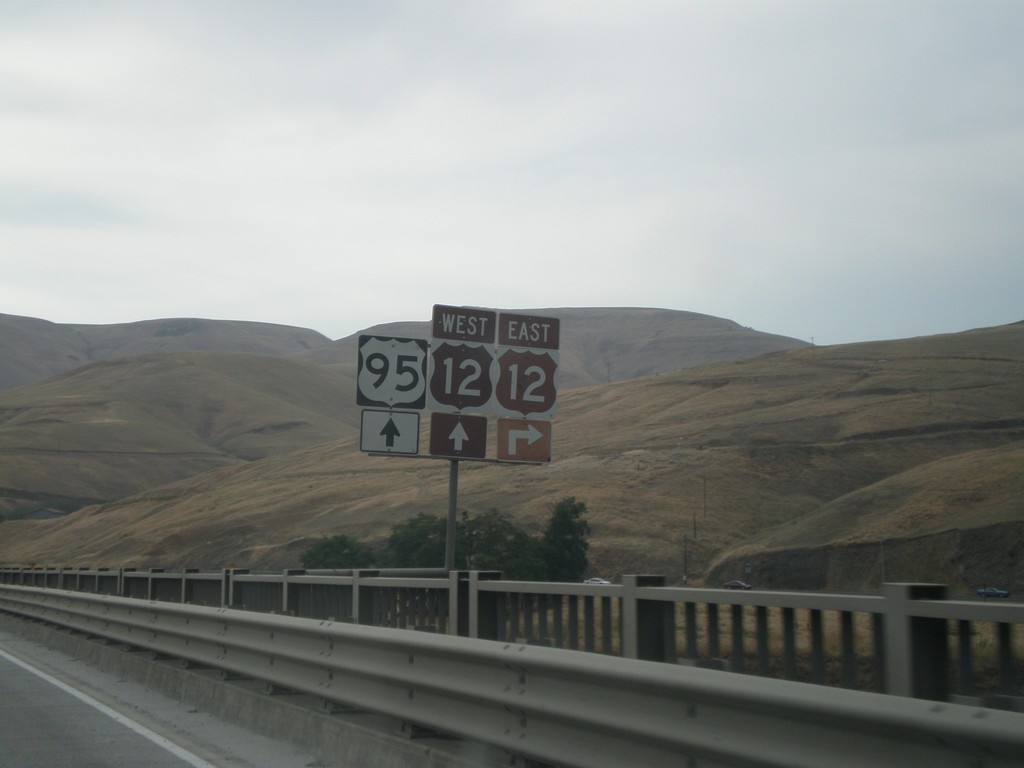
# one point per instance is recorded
(526, 383)
(460, 376)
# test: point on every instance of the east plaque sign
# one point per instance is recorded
(528, 331)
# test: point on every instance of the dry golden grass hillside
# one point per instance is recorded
(169, 399)
(813, 465)
(115, 428)
(33, 350)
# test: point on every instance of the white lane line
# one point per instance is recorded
(194, 760)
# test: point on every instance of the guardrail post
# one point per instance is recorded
(363, 597)
(286, 608)
(483, 606)
(121, 592)
(183, 598)
(648, 626)
(229, 585)
(916, 647)
(151, 583)
(458, 603)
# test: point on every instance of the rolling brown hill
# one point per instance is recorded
(814, 465)
(601, 345)
(140, 418)
(33, 350)
(115, 428)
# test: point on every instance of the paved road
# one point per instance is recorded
(59, 713)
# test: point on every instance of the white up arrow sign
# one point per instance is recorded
(389, 432)
(458, 436)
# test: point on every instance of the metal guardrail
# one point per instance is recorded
(566, 709)
(909, 640)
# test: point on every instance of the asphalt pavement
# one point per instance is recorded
(56, 712)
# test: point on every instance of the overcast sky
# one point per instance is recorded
(841, 171)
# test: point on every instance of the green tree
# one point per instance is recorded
(338, 552)
(418, 543)
(565, 541)
(492, 542)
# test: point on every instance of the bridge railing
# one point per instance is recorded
(910, 640)
(542, 705)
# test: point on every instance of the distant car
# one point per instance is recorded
(992, 592)
(736, 584)
(596, 580)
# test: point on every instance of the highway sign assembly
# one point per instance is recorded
(478, 362)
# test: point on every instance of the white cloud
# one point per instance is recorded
(792, 166)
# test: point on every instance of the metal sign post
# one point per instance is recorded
(453, 496)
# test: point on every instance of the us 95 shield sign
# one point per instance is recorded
(392, 372)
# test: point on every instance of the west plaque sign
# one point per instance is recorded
(463, 324)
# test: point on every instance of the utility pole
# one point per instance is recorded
(704, 482)
(684, 558)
